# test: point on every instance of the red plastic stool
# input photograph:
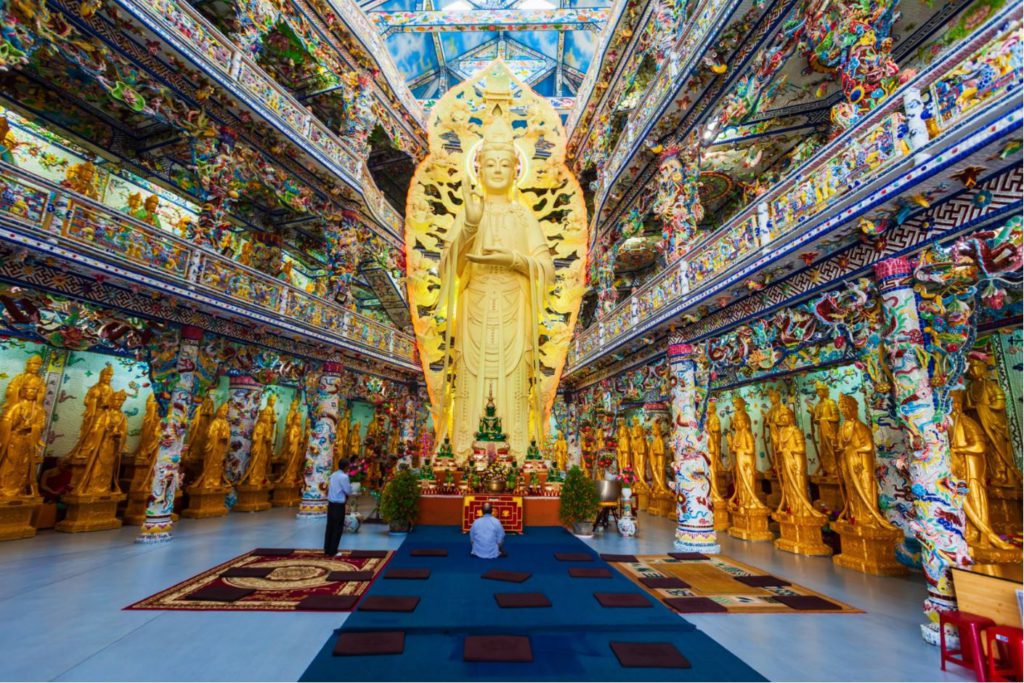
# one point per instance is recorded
(970, 655)
(1005, 653)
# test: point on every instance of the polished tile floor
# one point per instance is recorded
(61, 619)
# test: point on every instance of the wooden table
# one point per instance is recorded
(990, 590)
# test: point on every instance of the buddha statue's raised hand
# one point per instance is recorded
(474, 204)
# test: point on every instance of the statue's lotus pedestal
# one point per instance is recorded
(252, 498)
(1004, 509)
(829, 495)
(868, 549)
(203, 503)
(16, 517)
(750, 525)
(800, 535)
(91, 512)
(286, 495)
(721, 512)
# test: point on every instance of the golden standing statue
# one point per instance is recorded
(858, 468)
(196, 440)
(355, 444)
(967, 445)
(638, 447)
(772, 419)
(561, 453)
(31, 375)
(825, 427)
(103, 448)
(262, 447)
(21, 437)
(741, 447)
(341, 438)
(713, 425)
(96, 399)
(663, 503)
(144, 456)
(292, 451)
(791, 458)
(498, 310)
(623, 446)
(988, 400)
(215, 449)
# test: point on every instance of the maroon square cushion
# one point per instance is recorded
(806, 602)
(365, 553)
(522, 600)
(590, 573)
(622, 600)
(618, 558)
(574, 557)
(272, 552)
(220, 594)
(663, 582)
(369, 643)
(246, 572)
(327, 603)
(688, 556)
(399, 573)
(511, 577)
(350, 576)
(430, 552)
(694, 605)
(389, 603)
(497, 649)
(649, 655)
(761, 581)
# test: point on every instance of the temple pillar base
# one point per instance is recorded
(991, 555)
(750, 525)
(91, 512)
(204, 503)
(829, 495)
(800, 535)
(1005, 509)
(252, 498)
(286, 495)
(16, 517)
(868, 549)
(721, 512)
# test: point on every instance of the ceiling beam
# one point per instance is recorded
(582, 19)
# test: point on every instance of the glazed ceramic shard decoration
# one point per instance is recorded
(496, 240)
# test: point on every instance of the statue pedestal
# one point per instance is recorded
(721, 512)
(868, 549)
(829, 494)
(135, 513)
(16, 517)
(1004, 509)
(91, 512)
(252, 499)
(750, 525)
(724, 480)
(203, 503)
(661, 503)
(643, 500)
(991, 555)
(800, 535)
(286, 495)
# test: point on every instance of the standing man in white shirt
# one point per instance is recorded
(338, 490)
(487, 534)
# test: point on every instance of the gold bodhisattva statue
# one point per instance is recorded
(663, 499)
(749, 516)
(988, 400)
(868, 540)
(144, 456)
(103, 448)
(638, 451)
(772, 420)
(341, 438)
(623, 447)
(713, 426)
(195, 443)
(262, 447)
(355, 444)
(96, 399)
(561, 452)
(292, 451)
(967, 445)
(31, 375)
(21, 438)
(215, 449)
(799, 523)
(825, 425)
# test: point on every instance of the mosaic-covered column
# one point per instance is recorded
(244, 395)
(175, 413)
(695, 528)
(320, 452)
(938, 496)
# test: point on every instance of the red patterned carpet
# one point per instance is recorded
(275, 580)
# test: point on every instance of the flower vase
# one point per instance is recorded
(627, 493)
(356, 487)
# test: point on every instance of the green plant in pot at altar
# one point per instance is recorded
(399, 503)
(579, 502)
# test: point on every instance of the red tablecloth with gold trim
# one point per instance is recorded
(506, 509)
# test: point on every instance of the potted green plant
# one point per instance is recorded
(579, 503)
(399, 503)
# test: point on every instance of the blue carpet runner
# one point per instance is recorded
(570, 639)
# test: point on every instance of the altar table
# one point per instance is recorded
(448, 510)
